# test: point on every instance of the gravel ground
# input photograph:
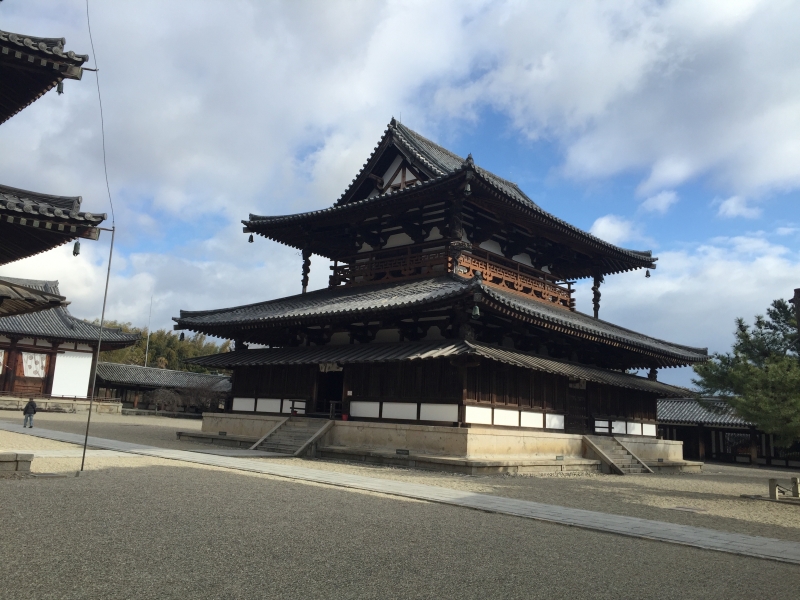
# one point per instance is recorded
(172, 530)
(710, 499)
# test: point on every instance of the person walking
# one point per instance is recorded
(29, 411)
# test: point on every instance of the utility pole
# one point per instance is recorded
(147, 345)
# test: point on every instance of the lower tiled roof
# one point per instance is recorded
(149, 377)
(377, 352)
(58, 324)
(16, 299)
(707, 411)
(374, 299)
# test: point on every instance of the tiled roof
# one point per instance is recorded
(376, 352)
(446, 165)
(45, 47)
(595, 327)
(31, 222)
(17, 299)
(373, 299)
(707, 411)
(134, 375)
(30, 67)
(58, 324)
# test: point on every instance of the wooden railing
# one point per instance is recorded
(510, 274)
(404, 262)
(432, 258)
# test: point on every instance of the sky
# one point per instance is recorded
(672, 126)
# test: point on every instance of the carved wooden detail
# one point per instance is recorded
(516, 277)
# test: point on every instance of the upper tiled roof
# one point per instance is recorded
(149, 377)
(45, 47)
(31, 222)
(58, 324)
(444, 166)
(17, 299)
(30, 67)
(707, 411)
(373, 299)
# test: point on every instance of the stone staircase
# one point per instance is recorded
(616, 456)
(294, 436)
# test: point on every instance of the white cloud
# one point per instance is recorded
(614, 229)
(660, 203)
(736, 206)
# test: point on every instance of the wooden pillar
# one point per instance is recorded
(90, 389)
(701, 442)
(51, 370)
(11, 366)
(598, 279)
(796, 302)
(306, 267)
(753, 446)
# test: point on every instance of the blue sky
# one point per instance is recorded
(672, 126)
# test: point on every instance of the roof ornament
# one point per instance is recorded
(469, 162)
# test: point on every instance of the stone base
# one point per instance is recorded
(62, 406)
(677, 466)
(230, 441)
(15, 463)
(459, 465)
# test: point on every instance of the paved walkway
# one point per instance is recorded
(709, 539)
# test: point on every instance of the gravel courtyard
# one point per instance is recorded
(152, 528)
(711, 499)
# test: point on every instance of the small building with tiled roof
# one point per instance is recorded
(50, 352)
(450, 303)
(131, 383)
(710, 429)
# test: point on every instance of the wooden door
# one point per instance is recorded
(577, 417)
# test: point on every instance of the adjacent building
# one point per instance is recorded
(50, 352)
(710, 429)
(450, 302)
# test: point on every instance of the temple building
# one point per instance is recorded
(31, 222)
(44, 350)
(450, 303)
(50, 353)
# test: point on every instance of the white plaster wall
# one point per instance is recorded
(369, 410)
(400, 410)
(438, 412)
(649, 429)
(478, 415)
(247, 404)
(71, 378)
(272, 405)
(492, 246)
(506, 417)
(530, 419)
(555, 421)
(398, 239)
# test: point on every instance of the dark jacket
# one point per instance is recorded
(30, 408)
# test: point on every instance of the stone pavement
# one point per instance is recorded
(709, 539)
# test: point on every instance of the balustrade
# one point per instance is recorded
(432, 258)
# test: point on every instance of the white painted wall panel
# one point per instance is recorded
(438, 412)
(503, 416)
(649, 429)
(272, 405)
(71, 378)
(365, 409)
(555, 421)
(529, 419)
(245, 404)
(478, 414)
(618, 427)
(400, 410)
(635, 428)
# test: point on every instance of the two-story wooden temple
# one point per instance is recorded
(450, 302)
